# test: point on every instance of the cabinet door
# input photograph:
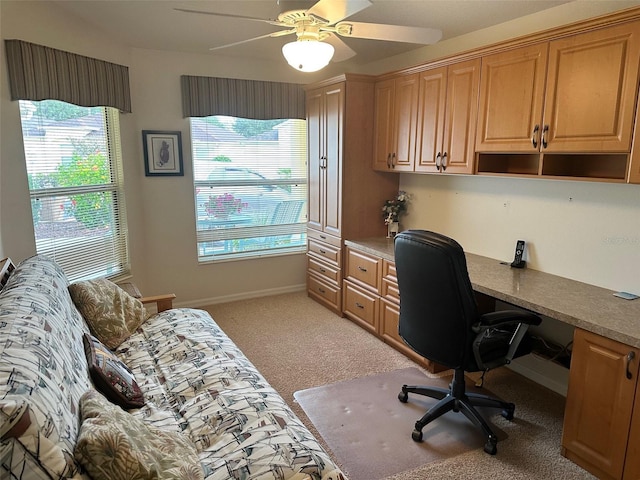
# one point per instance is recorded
(383, 125)
(461, 114)
(315, 118)
(405, 115)
(599, 404)
(431, 101)
(334, 108)
(591, 88)
(511, 99)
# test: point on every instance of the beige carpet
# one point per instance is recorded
(369, 429)
(297, 344)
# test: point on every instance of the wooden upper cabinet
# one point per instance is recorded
(587, 105)
(448, 99)
(511, 100)
(591, 90)
(396, 107)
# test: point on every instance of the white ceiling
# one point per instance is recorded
(154, 24)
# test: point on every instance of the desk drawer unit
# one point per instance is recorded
(361, 306)
(363, 269)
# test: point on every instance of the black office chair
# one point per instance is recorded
(439, 319)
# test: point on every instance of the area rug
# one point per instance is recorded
(369, 430)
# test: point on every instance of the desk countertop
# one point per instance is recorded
(579, 304)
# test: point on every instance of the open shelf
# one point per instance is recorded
(608, 167)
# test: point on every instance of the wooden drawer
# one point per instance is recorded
(389, 286)
(329, 253)
(329, 273)
(324, 237)
(328, 295)
(363, 269)
(361, 306)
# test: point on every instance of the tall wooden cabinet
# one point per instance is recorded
(345, 194)
(601, 420)
(396, 112)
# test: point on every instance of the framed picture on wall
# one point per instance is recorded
(162, 153)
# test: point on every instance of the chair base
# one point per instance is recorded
(458, 400)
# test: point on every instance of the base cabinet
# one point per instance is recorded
(372, 300)
(601, 421)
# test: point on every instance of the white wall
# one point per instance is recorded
(601, 221)
(586, 231)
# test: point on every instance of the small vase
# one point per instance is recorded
(392, 229)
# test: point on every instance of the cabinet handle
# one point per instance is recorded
(630, 356)
(534, 136)
(322, 290)
(545, 130)
(393, 160)
(388, 160)
(362, 269)
(444, 161)
(438, 156)
(322, 251)
(324, 237)
(359, 305)
(322, 270)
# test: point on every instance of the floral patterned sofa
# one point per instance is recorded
(206, 412)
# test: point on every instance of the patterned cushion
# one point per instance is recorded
(112, 377)
(114, 444)
(111, 313)
(43, 372)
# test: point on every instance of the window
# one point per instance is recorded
(75, 183)
(250, 186)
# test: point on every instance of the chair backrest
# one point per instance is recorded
(437, 303)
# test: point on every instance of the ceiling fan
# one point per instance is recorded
(319, 28)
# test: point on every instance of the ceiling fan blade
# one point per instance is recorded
(229, 15)
(274, 34)
(335, 10)
(342, 50)
(392, 33)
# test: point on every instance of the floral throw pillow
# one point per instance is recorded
(110, 375)
(115, 444)
(111, 313)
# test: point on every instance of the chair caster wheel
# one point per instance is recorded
(403, 397)
(416, 435)
(490, 448)
(508, 412)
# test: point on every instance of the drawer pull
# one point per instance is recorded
(322, 290)
(630, 356)
(359, 305)
(324, 252)
(324, 237)
(362, 269)
(322, 270)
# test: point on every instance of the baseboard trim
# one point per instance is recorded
(240, 296)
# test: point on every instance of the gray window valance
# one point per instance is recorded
(207, 96)
(37, 72)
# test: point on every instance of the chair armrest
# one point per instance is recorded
(506, 317)
(163, 302)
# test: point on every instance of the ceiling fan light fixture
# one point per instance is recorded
(308, 55)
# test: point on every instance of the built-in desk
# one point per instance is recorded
(601, 430)
(579, 304)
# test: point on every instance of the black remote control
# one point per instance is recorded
(518, 262)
